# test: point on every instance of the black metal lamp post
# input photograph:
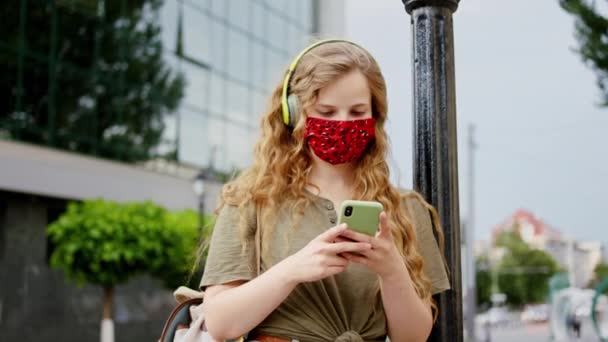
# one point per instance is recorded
(435, 144)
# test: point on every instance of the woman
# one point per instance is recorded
(322, 142)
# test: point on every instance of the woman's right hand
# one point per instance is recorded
(321, 258)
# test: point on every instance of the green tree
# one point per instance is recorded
(524, 271)
(86, 76)
(105, 243)
(483, 280)
(591, 29)
(600, 272)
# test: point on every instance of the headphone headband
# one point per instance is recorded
(289, 117)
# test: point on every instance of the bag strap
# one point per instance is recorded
(180, 314)
(182, 308)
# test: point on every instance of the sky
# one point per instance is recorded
(541, 136)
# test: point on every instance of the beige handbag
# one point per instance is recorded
(186, 323)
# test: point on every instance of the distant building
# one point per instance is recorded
(577, 257)
(532, 230)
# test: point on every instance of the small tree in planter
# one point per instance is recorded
(106, 243)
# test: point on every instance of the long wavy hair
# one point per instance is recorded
(282, 160)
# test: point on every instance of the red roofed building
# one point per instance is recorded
(532, 230)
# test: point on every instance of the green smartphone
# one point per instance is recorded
(361, 216)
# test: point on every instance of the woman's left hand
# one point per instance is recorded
(383, 258)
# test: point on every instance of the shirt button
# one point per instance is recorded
(329, 206)
(332, 220)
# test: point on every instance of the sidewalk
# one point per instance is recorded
(519, 332)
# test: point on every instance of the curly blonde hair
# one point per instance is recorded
(282, 160)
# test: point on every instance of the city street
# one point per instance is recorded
(521, 333)
(531, 333)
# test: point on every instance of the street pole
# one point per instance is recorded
(435, 144)
(570, 261)
(200, 190)
(201, 209)
(470, 241)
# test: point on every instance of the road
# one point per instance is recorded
(519, 332)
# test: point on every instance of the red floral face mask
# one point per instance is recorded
(337, 141)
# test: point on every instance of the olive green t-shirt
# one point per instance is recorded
(338, 308)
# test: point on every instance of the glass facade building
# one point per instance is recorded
(185, 80)
(232, 53)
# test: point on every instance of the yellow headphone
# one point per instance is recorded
(290, 104)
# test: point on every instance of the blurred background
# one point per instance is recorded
(121, 119)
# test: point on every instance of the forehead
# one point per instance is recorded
(350, 88)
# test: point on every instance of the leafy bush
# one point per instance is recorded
(106, 243)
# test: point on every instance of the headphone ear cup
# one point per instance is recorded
(294, 109)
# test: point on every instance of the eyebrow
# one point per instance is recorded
(330, 106)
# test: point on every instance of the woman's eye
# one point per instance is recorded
(358, 113)
(325, 113)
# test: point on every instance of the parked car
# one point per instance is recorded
(537, 313)
(495, 316)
